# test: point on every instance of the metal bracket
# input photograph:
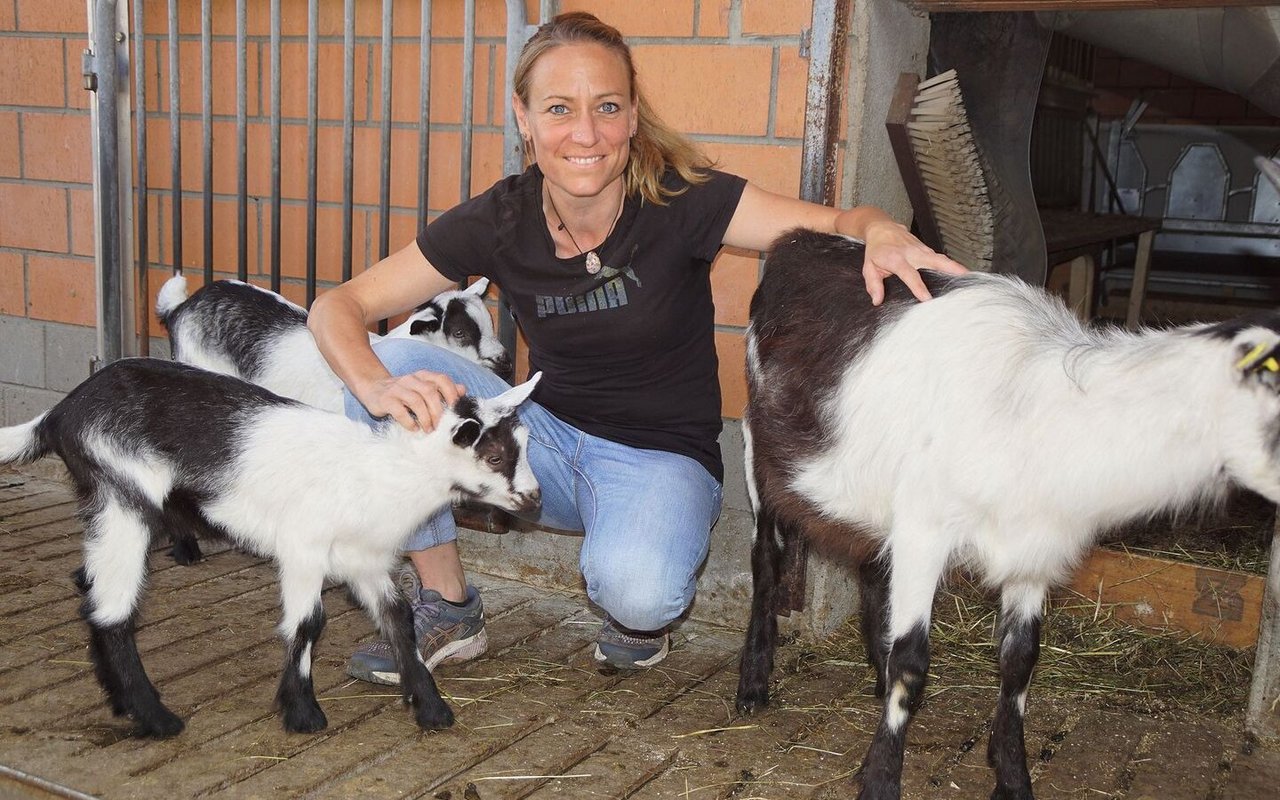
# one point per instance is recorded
(88, 69)
(805, 43)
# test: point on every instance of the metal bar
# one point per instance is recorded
(518, 33)
(175, 137)
(424, 113)
(826, 55)
(348, 128)
(242, 147)
(384, 185)
(140, 134)
(313, 51)
(206, 120)
(468, 89)
(103, 40)
(275, 145)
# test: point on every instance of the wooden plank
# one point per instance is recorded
(1070, 5)
(1263, 715)
(1217, 605)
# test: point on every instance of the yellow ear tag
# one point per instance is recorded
(1253, 355)
(1271, 365)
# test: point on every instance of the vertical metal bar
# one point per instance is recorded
(826, 53)
(140, 134)
(275, 145)
(518, 33)
(242, 147)
(103, 41)
(313, 51)
(206, 120)
(175, 137)
(348, 128)
(384, 187)
(468, 90)
(424, 113)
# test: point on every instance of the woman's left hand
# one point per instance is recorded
(892, 250)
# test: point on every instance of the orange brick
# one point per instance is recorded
(62, 290)
(713, 18)
(491, 18)
(732, 350)
(639, 19)
(772, 167)
(82, 222)
(10, 160)
(32, 73)
(33, 217)
(293, 242)
(678, 81)
(790, 93)
(42, 15)
(734, 275)
(12, 285)
(225, 237)
(77, 96)
(7, 20)
(774, 18)
(57, 147)
(222, 56)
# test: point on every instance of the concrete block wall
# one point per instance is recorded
(728, 72)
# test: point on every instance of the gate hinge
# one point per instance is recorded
(88, 64)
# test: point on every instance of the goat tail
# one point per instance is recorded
(172, 295)
(22, 444)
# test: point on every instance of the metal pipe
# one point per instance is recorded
(424, 113)
(206, 120)
(140, 134)
(175, 138)
(275, 145)
(242, 148)
(384, 174)
(468, 89)
(348, 128)
(313, 51)
(108, 181)
(518, 32)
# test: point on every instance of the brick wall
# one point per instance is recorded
(728, 72)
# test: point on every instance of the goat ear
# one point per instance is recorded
(1260, 357)
(478, 287)
(466, 433)
(511, 399)
(421, 326)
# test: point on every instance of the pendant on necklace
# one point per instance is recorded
(593, 262)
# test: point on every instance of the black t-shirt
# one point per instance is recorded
(627, 354)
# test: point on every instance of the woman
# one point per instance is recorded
(603, 247)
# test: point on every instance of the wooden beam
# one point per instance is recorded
(1070, 5)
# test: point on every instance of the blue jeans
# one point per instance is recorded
(646, 514)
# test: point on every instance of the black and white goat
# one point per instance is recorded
(252, 333)
(154, 446)
(985, 429)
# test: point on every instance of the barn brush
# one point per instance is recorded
(950, 169)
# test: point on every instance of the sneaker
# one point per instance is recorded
(622, 648)
(446, 633)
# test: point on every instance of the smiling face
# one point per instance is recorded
(580, 116)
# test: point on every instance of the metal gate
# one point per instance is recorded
(119, 69)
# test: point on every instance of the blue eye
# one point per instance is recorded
(610, 107)
(558, 108)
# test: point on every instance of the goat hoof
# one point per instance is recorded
(434, 718)
(186, 553)
(752, 700)
(163, 724)
(306, 719)
(1012, 793)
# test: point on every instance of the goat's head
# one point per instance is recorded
(1250, 408)
(459, 321)
(496, 442)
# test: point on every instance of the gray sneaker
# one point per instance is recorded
(622, 648)
(446, 633)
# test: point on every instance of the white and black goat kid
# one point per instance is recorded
(984, 429)
(154, 446)
(252, 333)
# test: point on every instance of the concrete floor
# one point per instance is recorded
(535, 718)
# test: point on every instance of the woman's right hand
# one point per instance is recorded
(416, 401)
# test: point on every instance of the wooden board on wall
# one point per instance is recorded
(1218, 605)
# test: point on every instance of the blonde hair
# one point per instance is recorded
(655, 147)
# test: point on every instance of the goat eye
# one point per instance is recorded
(494, 461)
(458, 334)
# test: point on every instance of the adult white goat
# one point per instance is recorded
(157, 448)
(986, 429)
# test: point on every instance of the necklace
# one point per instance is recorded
(593, 260)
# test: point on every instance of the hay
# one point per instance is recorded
(1117, 665)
